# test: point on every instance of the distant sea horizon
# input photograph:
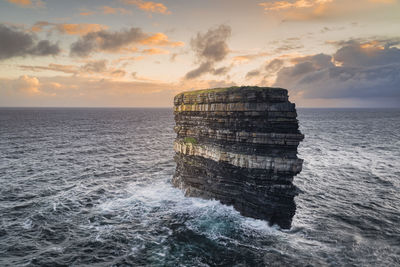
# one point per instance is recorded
(169, 107)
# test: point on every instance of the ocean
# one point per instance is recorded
(92, 187)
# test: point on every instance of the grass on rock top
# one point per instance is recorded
(190, 140)
(233, 89)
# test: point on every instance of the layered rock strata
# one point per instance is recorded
(239, 145)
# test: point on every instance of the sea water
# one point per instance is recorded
(93, 187)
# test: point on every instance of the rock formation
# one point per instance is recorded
(239, 145)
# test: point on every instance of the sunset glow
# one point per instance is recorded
(136, 53)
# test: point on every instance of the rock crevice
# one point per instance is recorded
(239, 145)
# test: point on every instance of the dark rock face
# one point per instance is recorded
(239, 145)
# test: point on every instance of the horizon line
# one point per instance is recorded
(165, 107)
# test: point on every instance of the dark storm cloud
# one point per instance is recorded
(106, 41)
(210, 48)
(367, 70)
(15, 43)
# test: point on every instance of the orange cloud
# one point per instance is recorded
(281, 5)
(383, 1)
(160, 39)
(316, 9)
(71, 29)
(249, 57)
(21, 2)
(38, 26)
(27, 85)
(87, 13)
(107, 10)
(27, 3)
(80, 29)
(55, 85)
(85, 91)
(149, 6)
(375, 45)
(155, 51)
(122, 59)
(111, 10)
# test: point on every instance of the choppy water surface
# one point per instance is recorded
(92, 187)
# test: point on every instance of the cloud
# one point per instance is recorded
(354, 54)
(160, 39)
(288, 47)
(127, 59)
(113, 10)
(87, 13)
(91, 68)
(15, 43)
(319, 9)
(330, 29)
(210, 48)
(274, 65)
(154, 51)
(317, 61)
(106, 10)
(207, 67)
(95, 66)
(118, 73)
(267, 71)
(148, 6)
(253, 73)
(249, 57)
(356, 70)
(80, 29)
(68, 28)
(383, 1)
(204, 68)
(61, 91)
(221, 70)
(27, 85)
(85, 91)
(173, 57)
(116, 41)
(38, 26)
(135, 76)
(70, 69)
(283, 5)
(27, 3)
(26, 91)
(100, 67)
(106, 41)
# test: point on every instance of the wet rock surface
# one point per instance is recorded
(239, 145)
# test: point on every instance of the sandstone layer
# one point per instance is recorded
(239, 145)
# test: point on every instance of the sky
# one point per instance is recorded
(137, 53)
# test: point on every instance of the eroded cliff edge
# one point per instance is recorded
(239, 145)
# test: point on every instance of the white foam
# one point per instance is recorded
(206, 217)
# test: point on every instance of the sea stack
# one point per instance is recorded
(239, 145)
